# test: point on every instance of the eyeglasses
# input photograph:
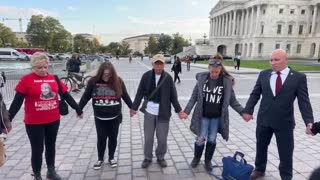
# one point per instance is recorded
(215, 62)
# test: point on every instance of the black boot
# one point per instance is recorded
(37, 176)
(52, 174)
(210, 147)
(197, 155)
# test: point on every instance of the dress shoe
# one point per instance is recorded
(256, 174)
(162, 162)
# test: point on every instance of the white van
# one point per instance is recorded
(11, 55)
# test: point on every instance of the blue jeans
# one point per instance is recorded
(209, 130)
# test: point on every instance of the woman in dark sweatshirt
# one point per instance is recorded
(106, 90)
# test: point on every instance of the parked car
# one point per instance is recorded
(167, 58)
(62, 56)
(95, 57)
(12, 54)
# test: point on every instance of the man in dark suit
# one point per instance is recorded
(279, 87)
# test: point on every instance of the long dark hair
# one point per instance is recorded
(224, 71)
(115, 82)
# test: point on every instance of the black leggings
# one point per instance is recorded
(39, 135)
(107, 129)
(176, 76)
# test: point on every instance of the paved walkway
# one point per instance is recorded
(76, 143)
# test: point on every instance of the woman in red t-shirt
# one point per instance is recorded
(40, 90)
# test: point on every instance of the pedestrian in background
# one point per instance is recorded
(106, 90)
(159, 92)
(279, 87)
(188, 59)
(41, 115)
(176, 68)
(211, 96)
(73, 67)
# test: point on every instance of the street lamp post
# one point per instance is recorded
(204, 38)
(190, 41)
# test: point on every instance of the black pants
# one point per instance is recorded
(39, 135)
(176, 76)
(107, 129)
(285, 143)
(188, 66)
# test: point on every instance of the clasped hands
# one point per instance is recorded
(182, 114)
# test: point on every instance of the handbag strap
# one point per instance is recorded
(219, 177)
(157, 88)
(59, 86)
(237, 153)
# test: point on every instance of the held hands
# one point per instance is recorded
(183, 115)
(247, 117)
(132, 112)
(6, 130)
(308, 129)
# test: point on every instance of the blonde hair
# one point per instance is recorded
(38, 59)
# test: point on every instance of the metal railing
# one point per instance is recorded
(13, 77)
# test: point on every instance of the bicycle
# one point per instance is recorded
(75, 78)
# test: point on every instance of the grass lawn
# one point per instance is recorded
(263, 64)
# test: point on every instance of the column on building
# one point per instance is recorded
(239, 23)
(234, 22)
(308, 21)
(257, 21)
(211, 28)
(223, 23)
(215, 26)
(316, 51)
(218, 26)
(242, 22)
(247, 21)
(315, 10)
(222, 19)
(251, 21)
(230, 24)
(226, 25)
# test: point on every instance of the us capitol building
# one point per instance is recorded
(253, 28)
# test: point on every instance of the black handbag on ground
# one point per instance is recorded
(63, 106)
(146, 99)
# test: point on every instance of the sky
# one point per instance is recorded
(114, 20)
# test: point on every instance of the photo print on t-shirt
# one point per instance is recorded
(46, 92)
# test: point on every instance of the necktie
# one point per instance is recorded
(278, 83)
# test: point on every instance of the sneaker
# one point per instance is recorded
(97, 165)
(162, 162)
(113, 163)
(145, 163)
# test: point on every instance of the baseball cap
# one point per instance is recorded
(158, 57)
(214, 62)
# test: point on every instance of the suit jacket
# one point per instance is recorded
(278, 111)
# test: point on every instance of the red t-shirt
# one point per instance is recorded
(41, 98)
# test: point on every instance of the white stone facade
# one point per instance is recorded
(254, 28)
(139, 43)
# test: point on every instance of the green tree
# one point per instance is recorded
(178, 43)
(48, 33)
(165, 43)
(114, 48)
(7, 37)
(152, 46)
(125, 48)
(22, 44)
(81, 44)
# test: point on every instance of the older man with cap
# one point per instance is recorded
(159, 92)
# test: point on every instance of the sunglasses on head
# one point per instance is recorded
(215, 62)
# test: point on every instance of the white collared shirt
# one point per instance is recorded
(273, 78)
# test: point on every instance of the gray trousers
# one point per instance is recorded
(151, 125)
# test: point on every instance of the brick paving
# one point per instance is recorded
(76, 142)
